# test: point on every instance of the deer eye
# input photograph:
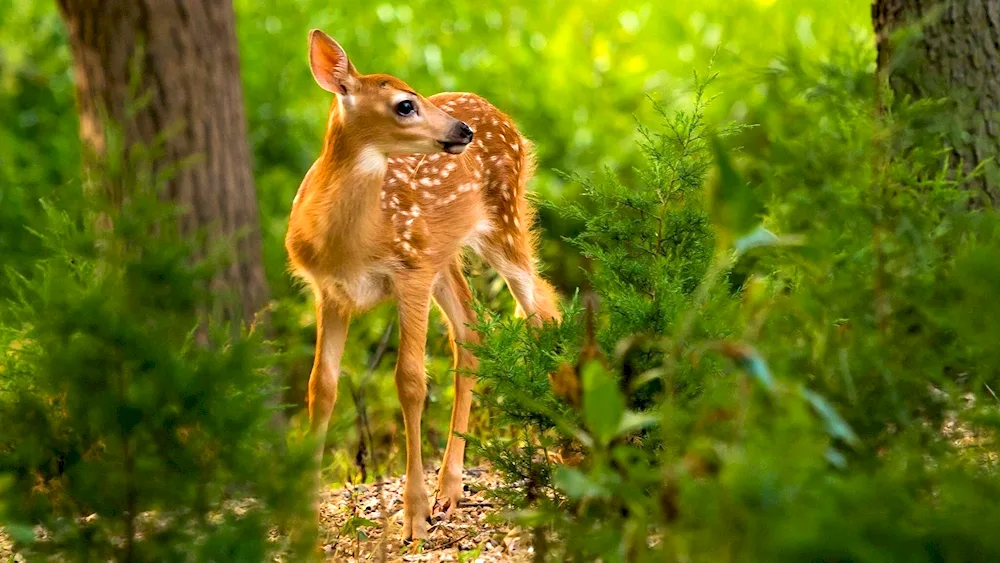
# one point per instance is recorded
(405, 108)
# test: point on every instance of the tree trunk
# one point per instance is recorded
(180, 57)
(955, 55)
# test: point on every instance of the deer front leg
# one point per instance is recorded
(454, 297)
(411, 385)
(331, 334)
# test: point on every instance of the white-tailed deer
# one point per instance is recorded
(402, 185)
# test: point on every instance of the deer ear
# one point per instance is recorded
(330, 66)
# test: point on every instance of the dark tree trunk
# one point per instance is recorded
(180, 57)
(955, 55)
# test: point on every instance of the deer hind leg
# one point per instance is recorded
(454, 297)
(514, 260)
(411, 385)
(331, 334)
(510, 251)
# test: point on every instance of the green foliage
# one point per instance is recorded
(572, 76)
(822, 391)
(133, 427)
(519, 357)
(650, 240)
(799, 333)
(38, 142)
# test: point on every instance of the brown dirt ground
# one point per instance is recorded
(470, 534)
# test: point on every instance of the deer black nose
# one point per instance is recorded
(463, 132)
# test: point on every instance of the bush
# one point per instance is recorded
(135, 427)
(822, 394)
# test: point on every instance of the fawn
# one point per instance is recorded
(402, 185)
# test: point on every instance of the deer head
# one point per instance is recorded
(382, 111)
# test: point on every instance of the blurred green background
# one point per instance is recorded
(575, 76)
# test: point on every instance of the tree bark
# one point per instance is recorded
(955, 54)
(180, 57)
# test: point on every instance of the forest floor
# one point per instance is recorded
(470, 534)
(363, 522)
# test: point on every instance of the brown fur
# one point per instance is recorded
(384, 213)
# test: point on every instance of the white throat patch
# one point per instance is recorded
(371, 162)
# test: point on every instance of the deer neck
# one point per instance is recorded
(348, 179)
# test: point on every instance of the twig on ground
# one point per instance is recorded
(454, 541)
(988, 388)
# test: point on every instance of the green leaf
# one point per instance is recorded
(754, 239)
(633, 421)
(470, 555)
(762, 237)
(354, 525)
(603, 403)
(835, 425)
(750, 360)
(733, 205)
(756, 366)
(575, 484)
(836, 458)
(21, 533)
